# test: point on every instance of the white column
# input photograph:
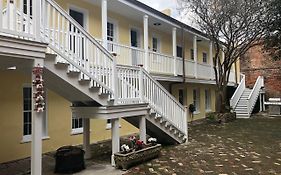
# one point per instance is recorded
(145, 42)
(142, 127)
(115, 138)
(195, 55)
(86, 138)
(104, 22)
(37, 119)
(260, 102)
(211, 53)
(37, 16)
(174, 33)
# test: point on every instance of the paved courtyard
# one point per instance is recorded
(244, 147)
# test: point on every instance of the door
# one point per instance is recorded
(77, 42)
(135, 43)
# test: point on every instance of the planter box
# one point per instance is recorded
(127, 160)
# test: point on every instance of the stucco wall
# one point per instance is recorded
(58, 116)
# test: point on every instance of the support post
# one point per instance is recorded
(141, 89)
(142, 127)
(104, 22)
(174, 34)
(145, 42)
(115, 138)
(86, 138)
(37, 20)
(37, 119)
(211, 53)
(195, 55)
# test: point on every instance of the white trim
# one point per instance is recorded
(139, 36)
(159, 45)
(76, 131)
(80, 10)
(26, 139)
(115, 28)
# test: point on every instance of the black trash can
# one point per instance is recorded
(69, 159)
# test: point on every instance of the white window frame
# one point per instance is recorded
(80, 10)
(208, 100)
(78, 130)
(196, 100)
(115, 30)
(139, 35)
(158, 43)
(205, 53)
(27, 138)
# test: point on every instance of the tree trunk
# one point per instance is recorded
(221, 103)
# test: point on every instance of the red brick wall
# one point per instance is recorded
(256, 63)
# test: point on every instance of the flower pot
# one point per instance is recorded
(126, 160)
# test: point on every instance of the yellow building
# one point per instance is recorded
(74, 41)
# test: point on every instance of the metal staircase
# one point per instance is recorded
(81, 70)
(244, 99)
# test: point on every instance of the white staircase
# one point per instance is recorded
(82, 71)
(244, 99)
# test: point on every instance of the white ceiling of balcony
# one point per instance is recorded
(135, 13)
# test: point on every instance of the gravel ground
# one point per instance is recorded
(246, 146)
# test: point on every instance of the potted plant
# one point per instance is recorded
(138, 152)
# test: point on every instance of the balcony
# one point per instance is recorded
(162, 64)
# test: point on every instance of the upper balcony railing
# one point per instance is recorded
(162, 64)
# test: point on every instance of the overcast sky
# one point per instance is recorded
(163, 4)
(173, 5)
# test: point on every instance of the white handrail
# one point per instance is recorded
(74, 44)
(238, 92)
(254, 94)
(163, 102)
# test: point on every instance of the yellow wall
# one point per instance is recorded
(59, 120)
(188, 89)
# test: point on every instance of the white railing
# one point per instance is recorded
(161, 63)
(254, 94)
(126, 55)
(17, 20)
(162, 102)
(74, 44)
(128, 84)
(238, 93)
(189, 68)
(204, 71)
(179, 67)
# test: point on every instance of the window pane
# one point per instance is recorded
(181, 96)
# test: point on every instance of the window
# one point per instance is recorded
(196, 99)
(74, 45)
(181, 96)
(207, 99)
(108, 124)
(27, 115)
(27, 111)
(179, 51)
(205, 57)
(77, 125)
(155, 44)
(192, 54)
(110, 32)
(25, 5)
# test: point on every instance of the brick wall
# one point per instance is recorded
(256, 63)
